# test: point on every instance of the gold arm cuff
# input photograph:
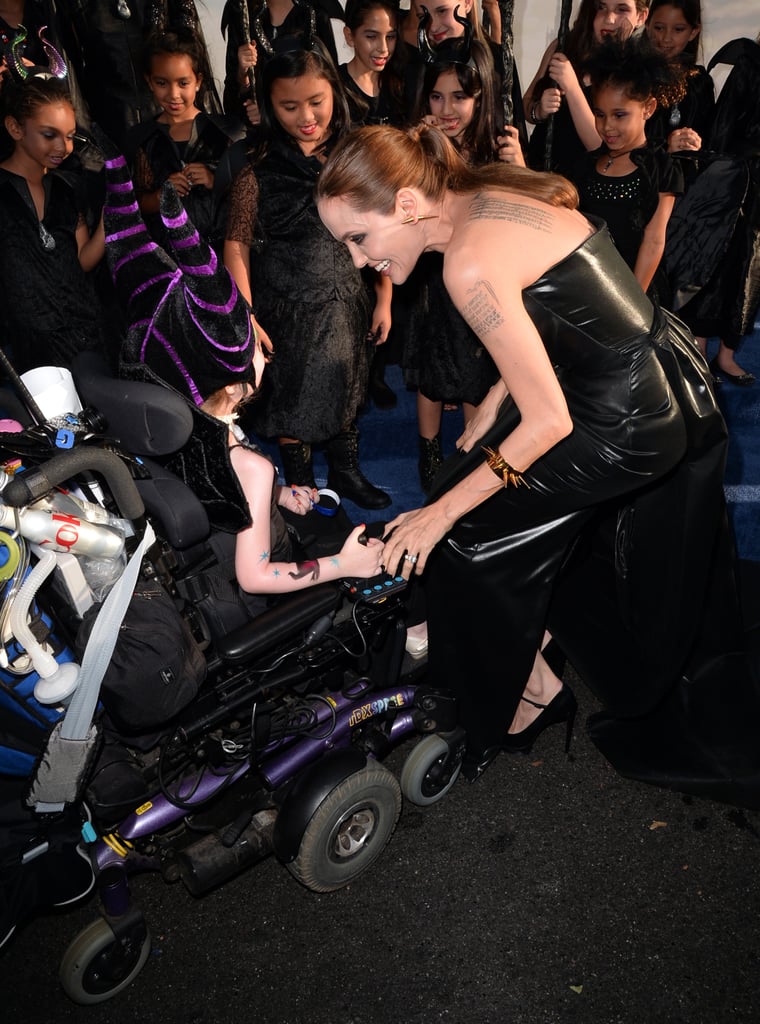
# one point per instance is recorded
(506, 473)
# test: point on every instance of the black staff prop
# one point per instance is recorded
(564, 27)
(246, 24)
(507, 10)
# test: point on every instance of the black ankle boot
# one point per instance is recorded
(431, 459)
(296, 464)
(345, 476)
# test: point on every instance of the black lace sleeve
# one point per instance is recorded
(243, 207)
(144, 180)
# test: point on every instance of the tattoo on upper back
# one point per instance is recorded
(482, 311)
(495, 207)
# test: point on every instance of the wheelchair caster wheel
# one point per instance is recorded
(430, 770)
(97, 965)
(349, 830)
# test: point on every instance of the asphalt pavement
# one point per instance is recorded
(552, 890)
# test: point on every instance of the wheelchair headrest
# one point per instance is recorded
(146, 418)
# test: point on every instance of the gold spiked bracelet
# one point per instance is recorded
(503, 470)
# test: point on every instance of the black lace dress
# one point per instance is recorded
(442, 356)
(50, 311)
(307, 295)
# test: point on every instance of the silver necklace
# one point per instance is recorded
(48, 242)
(611, 159)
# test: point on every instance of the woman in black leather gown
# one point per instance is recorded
(594, 511)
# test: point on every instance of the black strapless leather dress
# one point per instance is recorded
(611, 545)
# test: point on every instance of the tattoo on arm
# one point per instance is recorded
(482, 311)
(304, 568)
(494, 207)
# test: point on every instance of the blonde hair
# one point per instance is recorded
(370, 165)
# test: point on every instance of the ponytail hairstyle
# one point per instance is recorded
(180, 41)
(637, 68)
(476, 79)
(369, 167)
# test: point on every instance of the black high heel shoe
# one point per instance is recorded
(561, 708)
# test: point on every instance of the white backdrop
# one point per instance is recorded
(535, 25)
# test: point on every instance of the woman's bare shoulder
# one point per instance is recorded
(512, 233)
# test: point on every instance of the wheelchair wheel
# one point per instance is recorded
(429, 771)
(96, 966)
(349, 830)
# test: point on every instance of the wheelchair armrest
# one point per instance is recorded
(277, 624)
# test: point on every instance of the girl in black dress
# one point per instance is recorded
(674, 28)
(559, 90)
(442, 356)
(49, 311)
(272, 20)
(182, 144)
(306, 293)
(374, 77)
(628, 182)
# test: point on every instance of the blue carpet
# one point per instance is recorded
(388, 450)
(741, 407)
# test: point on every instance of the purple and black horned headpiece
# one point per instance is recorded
(13, 51)
(188, 323)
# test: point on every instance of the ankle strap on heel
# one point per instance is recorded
(534, 703)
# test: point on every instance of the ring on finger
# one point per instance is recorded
(411, 558)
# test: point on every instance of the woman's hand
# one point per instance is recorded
(509, 148)
(684, 139)
(297, 499)
(410, 538)
(362, 558)
(198, 174)
(484, 417)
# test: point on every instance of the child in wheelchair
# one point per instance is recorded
(191, 330)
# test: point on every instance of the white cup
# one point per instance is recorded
(52, 388)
